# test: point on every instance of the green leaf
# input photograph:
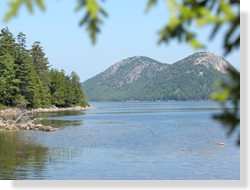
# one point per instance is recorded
(222, 96)
(150, 4)
(41, 4)
(29, 5)
(196, 44)
(15, 5)
(93, 8)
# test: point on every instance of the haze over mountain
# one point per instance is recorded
(141, 78)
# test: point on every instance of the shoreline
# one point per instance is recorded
(9, 118)
(16, 111)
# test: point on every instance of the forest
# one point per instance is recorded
(141, 78)
(27, 81)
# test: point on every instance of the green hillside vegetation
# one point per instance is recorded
(26, 81)
(143, 79)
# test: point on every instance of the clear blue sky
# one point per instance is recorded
(127, 32)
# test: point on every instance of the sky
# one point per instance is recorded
(127, 32)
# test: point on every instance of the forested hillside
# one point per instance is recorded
(140, 78)
(26, 80)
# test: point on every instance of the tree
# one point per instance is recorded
(40, 62)
(33, 93)
(27, 82)
(58, 88)
(8, 82)
(21, 40)
(75, 94)
(183, 14)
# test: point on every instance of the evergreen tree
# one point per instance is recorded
(40, 62)
(77, 96)
(41, 66)
(58, 88)
(7, 42)
(30, 84)
(25, 78)
(21, 40)
(8, 82)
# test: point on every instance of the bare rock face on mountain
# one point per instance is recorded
(140, 78)
(129, 70)
(210, 60)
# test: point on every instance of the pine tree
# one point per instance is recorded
(76, 94)
(27, 82)
(41, 66)
(58, 88)
(8, 83)
(40, 62)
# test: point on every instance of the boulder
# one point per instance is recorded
(38, 126)
(47, 128)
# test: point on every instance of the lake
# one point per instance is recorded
(125, 141)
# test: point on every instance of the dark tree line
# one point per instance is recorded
(27, 81)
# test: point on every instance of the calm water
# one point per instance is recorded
(132, 140)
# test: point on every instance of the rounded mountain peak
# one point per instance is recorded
(211, 60)
(208, 59)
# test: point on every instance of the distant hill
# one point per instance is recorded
(141, 78)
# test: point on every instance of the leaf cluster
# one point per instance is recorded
(229, 97)
(187, 13)
(14, 6)
(26, 80)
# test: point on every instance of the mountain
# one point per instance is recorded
(141, 78)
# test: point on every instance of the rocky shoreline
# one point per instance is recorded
(5, 125)
(8, 123)
(16, 111)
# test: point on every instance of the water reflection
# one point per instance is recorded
(61, 123)
(147, 144)
(23, 157)
(61, 119)
(64, 155)
(18, 157)
(60, 114)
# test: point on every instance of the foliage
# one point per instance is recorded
(186, 13)
(92, 17)
(230, 91)
(16, 4)
(183, 14)
(26, 80)
(145, 79)
(218, 13)
(16, 153)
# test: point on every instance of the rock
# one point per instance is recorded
(32, 127)
(31, 124)
(27, 128)
(78, 107)
(220, 143)
(56, 109)
(22, 126)
(2, 125)
(47, 128)
(38, 126)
